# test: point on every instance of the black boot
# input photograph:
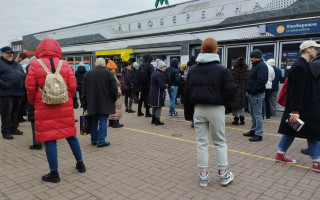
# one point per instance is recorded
(251, 133)
(116, 124)
(80, 167)
(236, 120)
(158, 122)
(52, 177)
(305, 151)
(110, 122)
(242, 120)
(148, 114)
(130, 110)
(153, 119)
(7, 136)
(35, 147)
(255, 138)
(17, 132)
(139, 110)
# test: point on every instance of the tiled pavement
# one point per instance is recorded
(157, 162)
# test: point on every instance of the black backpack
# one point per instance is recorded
(167, 76)
(142, 76)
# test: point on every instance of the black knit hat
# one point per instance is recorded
(256, 54)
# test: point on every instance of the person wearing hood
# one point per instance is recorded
(271, 76)
(79, 77)
(256, 86)
(208, 105)
(240, 73)
(53, 122)
(144, 76)
(11, 93)
(275, 86)
(173, 85)
(157, 92)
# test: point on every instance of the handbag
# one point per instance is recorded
(84, 124)
(283, 94)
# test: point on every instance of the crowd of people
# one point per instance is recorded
(44, 88)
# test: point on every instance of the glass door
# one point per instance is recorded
(235, 52)
(268, 50)
(290, 52)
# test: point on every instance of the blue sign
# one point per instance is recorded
(87, 66)
(294, 28)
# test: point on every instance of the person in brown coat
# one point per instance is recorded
(114, 118)
(240, 73)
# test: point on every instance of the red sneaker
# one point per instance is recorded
(316, 166)
(282, 158)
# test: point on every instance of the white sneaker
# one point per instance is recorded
(226, 178)
(204, 180)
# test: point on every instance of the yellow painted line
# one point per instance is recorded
(228, 127)
(194, 142)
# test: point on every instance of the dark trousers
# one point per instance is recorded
(128, 99)
(267, 102)
(144, 98)
(34, 135)
(23, 107)
(9, 113)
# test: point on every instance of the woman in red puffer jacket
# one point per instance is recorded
(53, 122)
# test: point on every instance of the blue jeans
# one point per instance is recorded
(255, 103)
(172, 93)
(52, 155)
(314, 146)
(98, 136)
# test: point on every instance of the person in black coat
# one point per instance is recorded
(257, 79)
(239, 73)
(208, 87)
(157, 93)
(136, 86)
(99, 93)
(79, 77)
(30, 113)
(144, 76)
(303, 103)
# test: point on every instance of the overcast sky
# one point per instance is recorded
(22, 17)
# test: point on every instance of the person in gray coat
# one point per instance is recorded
(99, 93)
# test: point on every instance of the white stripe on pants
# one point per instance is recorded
(215, 115)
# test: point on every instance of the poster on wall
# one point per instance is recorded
(184, 60)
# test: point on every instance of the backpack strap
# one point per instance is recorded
(59, 66)
(44, 66)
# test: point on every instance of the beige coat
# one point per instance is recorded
(117, 115)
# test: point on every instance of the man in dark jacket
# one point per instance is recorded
(99, 93)
(302, 102)
(173, 85)
(11, 93)
(208, 105)
(144, 76)
(257, 79)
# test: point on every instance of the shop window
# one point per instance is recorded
(290, 54)
(234, 53)
(267, 51)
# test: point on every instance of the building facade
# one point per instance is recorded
(276, 27)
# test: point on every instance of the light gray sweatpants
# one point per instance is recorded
(214, 115)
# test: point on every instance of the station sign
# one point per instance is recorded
(292, 28)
